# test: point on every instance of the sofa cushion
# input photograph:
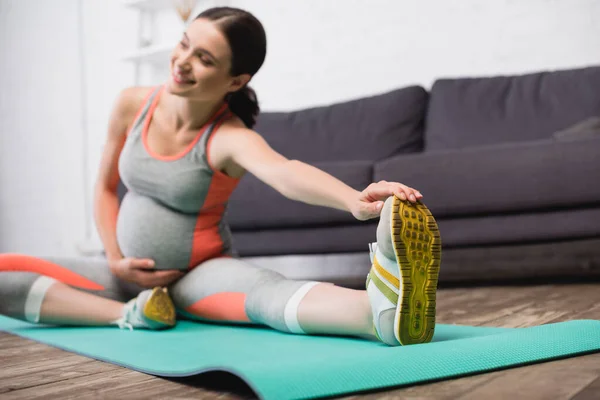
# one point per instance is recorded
(370, 128)
(255, 205)
(496, 230)
(503, 178)
(571, 259)
(520, 228)
(481, 111)
(313, 240)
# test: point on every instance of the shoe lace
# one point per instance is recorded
(128, 313)
(372, 250)
(124, 324)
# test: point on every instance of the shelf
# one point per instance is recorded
(149, 4)
(158, 55)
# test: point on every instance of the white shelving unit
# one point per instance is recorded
(149, 53)
(148, 5)
(153, 55)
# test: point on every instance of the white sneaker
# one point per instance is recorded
(383, 295)
(151, 309)
(402, 283)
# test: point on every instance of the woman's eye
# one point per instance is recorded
(184, 45)
(206, 61)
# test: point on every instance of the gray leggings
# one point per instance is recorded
(221, 289)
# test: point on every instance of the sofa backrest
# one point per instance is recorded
(366, 129)
(483, 111)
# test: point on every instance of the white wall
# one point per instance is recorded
(321, 51)
(40, 149)
(54, 104)
(52, 127)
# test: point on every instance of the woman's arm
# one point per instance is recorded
(106, 201)
(302, 182)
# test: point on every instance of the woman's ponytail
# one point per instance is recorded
(244, 104)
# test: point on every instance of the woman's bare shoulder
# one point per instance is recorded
(125, 108)
(130, 100)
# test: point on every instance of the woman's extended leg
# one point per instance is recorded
(45, 296)
(230, 290)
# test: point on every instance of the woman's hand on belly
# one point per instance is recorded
(142, 272)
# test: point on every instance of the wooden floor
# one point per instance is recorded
(29, 370)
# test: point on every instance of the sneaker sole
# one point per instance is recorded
(160, 308)
(417, 244)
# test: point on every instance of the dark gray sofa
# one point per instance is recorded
(508, 166)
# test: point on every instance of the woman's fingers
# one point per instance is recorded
(404, 192)
(383, 189)
(150, 279)
(141, 263)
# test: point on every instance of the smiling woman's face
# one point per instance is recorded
(201, 63)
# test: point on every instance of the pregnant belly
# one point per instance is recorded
(147, 229)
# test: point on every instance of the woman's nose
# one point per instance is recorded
(183, 66)
(183, 61)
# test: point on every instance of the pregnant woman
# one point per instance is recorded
(180, 149)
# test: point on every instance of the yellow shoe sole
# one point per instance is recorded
(418, 246)
(160, 308)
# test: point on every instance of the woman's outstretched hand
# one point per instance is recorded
(141, 272)
(370, 201)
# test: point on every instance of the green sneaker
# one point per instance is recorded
(151, 309)
(402, 283)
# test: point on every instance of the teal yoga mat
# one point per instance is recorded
(285, 366)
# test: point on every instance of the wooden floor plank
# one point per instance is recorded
(166, 389)
(31, 352)
(559, 380)
(590, 392)
(442, 390)
(60, 374)
(7, 341)
(481, 306)
(119, 379)
(35, 366)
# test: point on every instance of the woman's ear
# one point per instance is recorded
(239, 82)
